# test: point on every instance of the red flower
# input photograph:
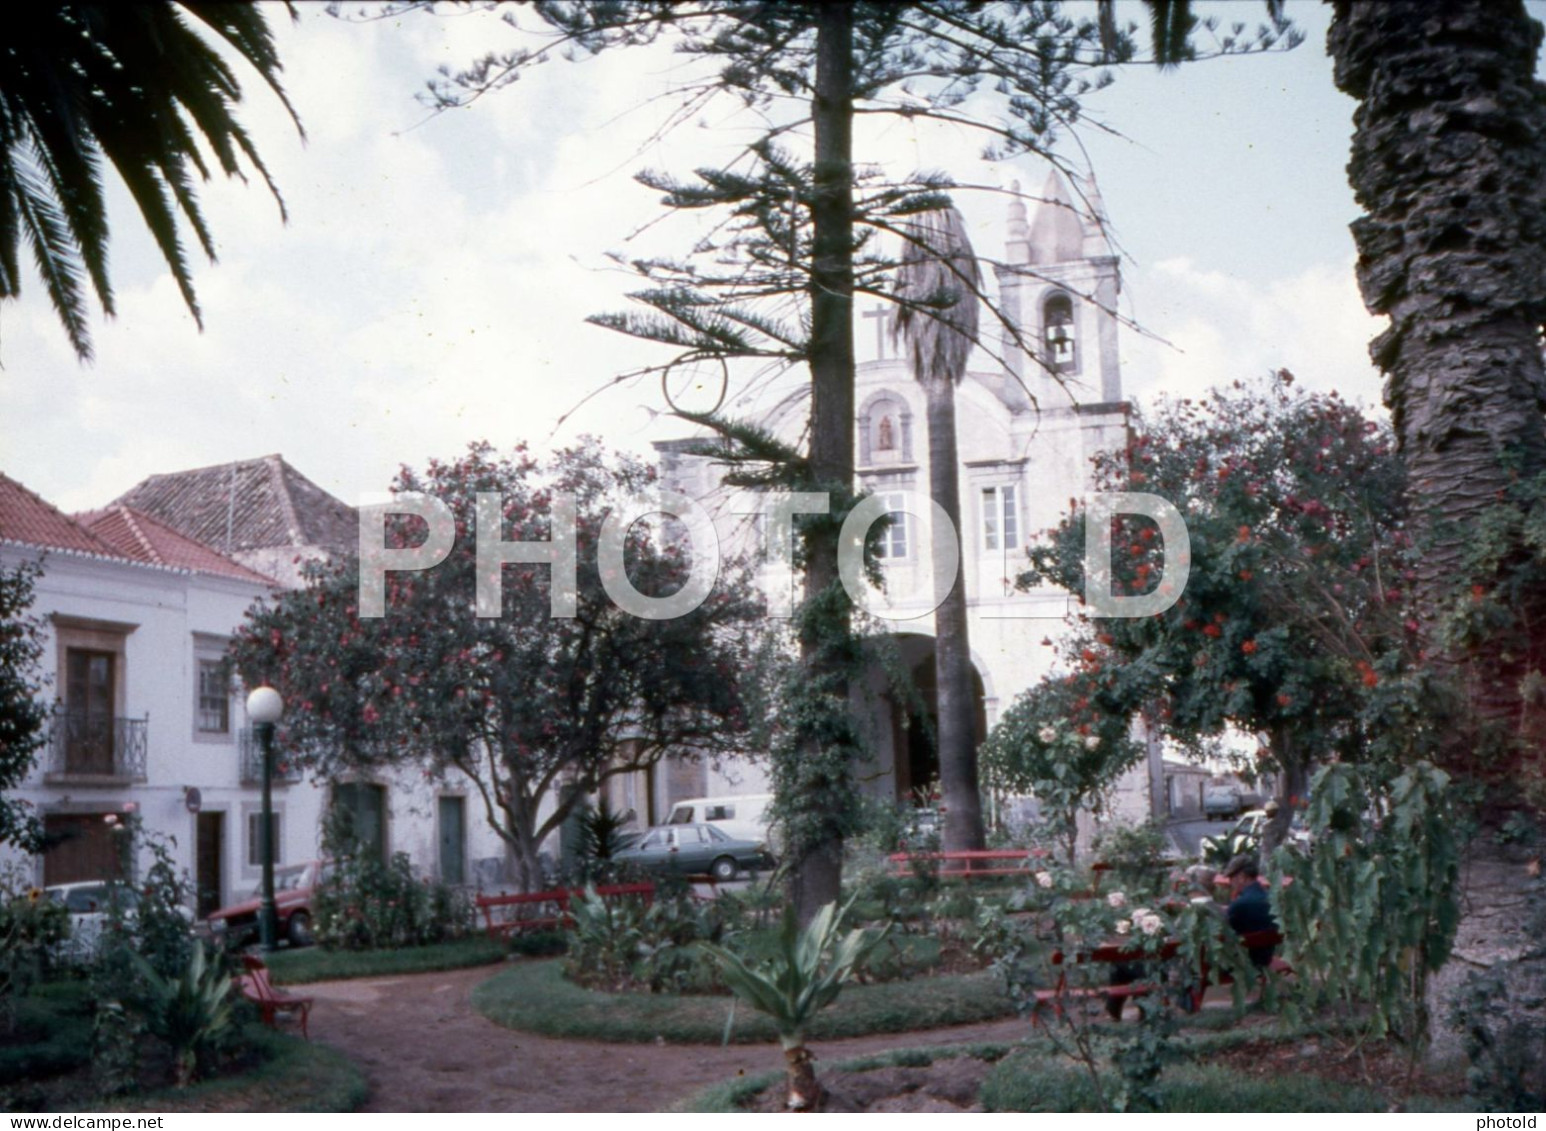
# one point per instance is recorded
(1212, 630)
(1285, 700)
(1249, 647)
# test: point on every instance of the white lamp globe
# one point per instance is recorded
(264, 705)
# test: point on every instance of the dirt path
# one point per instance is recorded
(424, 1048)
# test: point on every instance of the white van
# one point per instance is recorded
(743, 816)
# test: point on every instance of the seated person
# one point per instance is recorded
(1249, 909)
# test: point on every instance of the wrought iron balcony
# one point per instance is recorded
(287, 769)
(87, 749)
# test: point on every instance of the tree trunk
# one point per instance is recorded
(1449, 159)
(804, 1091)
(952, 647)
(1293, 783)
(825, 780)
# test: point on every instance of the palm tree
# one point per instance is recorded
(1449, 156)
(142, 86)
(937, 287)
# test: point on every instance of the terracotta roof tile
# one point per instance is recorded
(248, 505)
(28, 519)
(137, 535)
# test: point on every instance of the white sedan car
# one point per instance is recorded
(90, 904)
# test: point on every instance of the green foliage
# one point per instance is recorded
(296, 965)
(151, 89)
(117, 1036)
(192, 1012)
(23, 714)
(31, 929)
(1373, 906)
(1054, 743)
(365, 905)
(536, 997)
(537, 710)
(160, 929)
(1136, 856)
(1218, 851)
(1295, 621)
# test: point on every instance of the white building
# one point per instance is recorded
(138, 617)
(1029, 424)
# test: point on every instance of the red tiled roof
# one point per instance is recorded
(139, 536)
(30, 520)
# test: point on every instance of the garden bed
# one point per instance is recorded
(536, 997)
(1229, 1072)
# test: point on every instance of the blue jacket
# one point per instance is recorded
(1252, 911)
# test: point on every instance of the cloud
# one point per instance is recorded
(1222, 329)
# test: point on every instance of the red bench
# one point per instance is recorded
(979, 864)
(1110, 954)
(546, 910)
(271, 1001)
(1251, 940)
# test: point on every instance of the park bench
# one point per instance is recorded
(271, 1001)
(980, 864)
(546, 910)
(1111, 954)
(1251, 940)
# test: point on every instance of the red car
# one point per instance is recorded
(237, 925)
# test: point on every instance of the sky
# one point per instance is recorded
(431, 285)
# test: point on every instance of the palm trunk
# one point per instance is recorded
(1449, 156)
(804, 1091)
(952, 646)
(823, 780)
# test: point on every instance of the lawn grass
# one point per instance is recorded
(535, 997)
(314, 964)
(1030, 1081)
(295, 1075)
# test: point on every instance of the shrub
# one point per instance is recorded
(31, 929)
(191, 1012)
(367, 905)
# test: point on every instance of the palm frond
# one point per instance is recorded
(937, 286)
(140, 87)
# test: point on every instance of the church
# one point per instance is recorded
(1031, 414)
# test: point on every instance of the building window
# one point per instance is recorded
(1000, 519)
(214, 698)
(361, 809)
(893, 543)
(89, 694)
(1057, 320)
(255, 838)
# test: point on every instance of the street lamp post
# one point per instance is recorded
(264, 707)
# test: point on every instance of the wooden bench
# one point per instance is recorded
(1110, 954)
(980, 864)
(1251, 940)
(546, 910)
(271, 1001)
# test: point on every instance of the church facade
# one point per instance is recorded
(1031, 416)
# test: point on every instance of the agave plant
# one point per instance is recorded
(798, 982)
(189, 1012)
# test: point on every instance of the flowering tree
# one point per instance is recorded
(536, 710)
(1061, 743)
(23, 715)
(1294, 620)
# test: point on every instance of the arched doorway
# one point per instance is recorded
(915, 752)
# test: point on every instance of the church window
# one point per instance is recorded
(893, 543)
(1000, 519)
(1057, 319)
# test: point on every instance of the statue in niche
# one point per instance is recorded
(885, 439)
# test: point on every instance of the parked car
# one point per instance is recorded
(695, 850)
(91, 904)
(741, 816)
(1246, 835)
(237, 925)
(1221, 803)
